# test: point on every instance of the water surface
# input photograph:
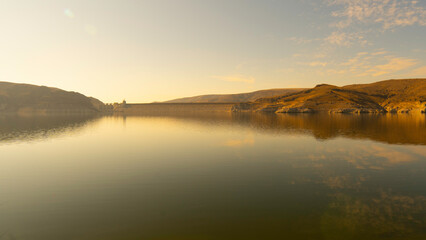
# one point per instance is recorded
(222, 176)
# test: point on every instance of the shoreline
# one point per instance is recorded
(246, 107)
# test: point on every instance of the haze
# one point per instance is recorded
(159, 50)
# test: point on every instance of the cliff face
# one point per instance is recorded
(407, 95)
(25, 98)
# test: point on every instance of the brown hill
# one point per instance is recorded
(396, 95)
(26, 98)
(386, 96)
(236, 98)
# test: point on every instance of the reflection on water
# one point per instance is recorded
(217, 176)
(21, 128)
(389, 128)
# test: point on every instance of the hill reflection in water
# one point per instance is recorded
(31, 128)
(387, 128)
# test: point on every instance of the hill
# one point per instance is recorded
(236, 98)
(26, 98)
(406, 95)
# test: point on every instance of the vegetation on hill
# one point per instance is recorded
(26, 98)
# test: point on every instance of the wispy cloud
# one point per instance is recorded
(334, 39)
(388, 13)
(235, 78)
(368, 15)
(377, 64)
(393, 64)
(338, 38)
(419, 72)
(314, 64)
(316, 55)
(379, 53)
(355, 24)
(318, 64)
(345, 39)
(301, 40)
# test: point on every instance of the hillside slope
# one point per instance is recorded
(26, 98)
(406, 95)
(395, 95)
(236, 98)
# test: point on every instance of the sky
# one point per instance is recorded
(156, 50)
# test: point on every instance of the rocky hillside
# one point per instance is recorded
(236, 98)
(406, 95)
(25, 98)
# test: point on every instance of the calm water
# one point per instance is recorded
(213, 177)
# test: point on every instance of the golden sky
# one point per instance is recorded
(157, 50)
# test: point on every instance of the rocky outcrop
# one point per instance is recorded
(406, 107)
(357, 110)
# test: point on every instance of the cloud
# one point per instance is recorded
(379, 53)
(374, 63)
(419, 72)
(310, 55)
(335, 71)
(394, 64)
(315, 64)
(301, 40)
(235, 78)
(388, 13)
(345, 39)
(377, 63)
(318, 64)
(337, 38)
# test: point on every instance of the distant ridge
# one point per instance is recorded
(236, 98)
(26, 98)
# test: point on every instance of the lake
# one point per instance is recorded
(213, 176)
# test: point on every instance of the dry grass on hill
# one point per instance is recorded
(385, 96)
